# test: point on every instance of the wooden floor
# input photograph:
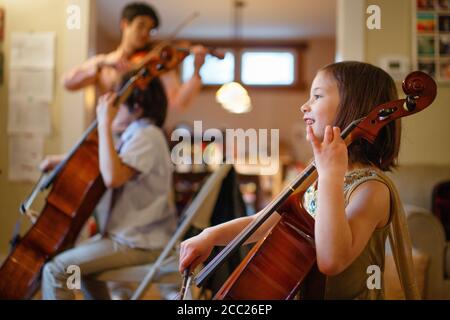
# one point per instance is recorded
(124, 292)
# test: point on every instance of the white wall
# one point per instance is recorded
(426, 135)
(350, 30)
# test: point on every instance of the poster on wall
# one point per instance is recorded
(34, 50)
(25, 154)
(34, 84)
(30, 88)
(28, 115)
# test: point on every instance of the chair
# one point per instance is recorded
(415, 184)
(165, 269)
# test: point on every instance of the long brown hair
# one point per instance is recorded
(362, 87)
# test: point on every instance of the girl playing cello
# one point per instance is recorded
(352, 201)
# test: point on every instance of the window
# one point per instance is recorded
(268, 68)
(213, 72)
(252, 64)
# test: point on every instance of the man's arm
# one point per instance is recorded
(83, 75)
(180, 95)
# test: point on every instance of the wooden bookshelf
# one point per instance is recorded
(431, 38)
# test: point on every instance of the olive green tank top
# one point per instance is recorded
(358, 280)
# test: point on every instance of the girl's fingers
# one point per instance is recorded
(181, 263)
(312, 138)
(186, 262)
(336, 132)
(195, 263)
(181, 251)
(328, 135)
(185, 257)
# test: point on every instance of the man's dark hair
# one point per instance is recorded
(152, 99)
(135, 9)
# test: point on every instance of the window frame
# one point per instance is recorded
(298, 48)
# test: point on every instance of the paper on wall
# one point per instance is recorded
(33, 50)
(34, 83)
(32, 63)
(25, 154)
(28, 115)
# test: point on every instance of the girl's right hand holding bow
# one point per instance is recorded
(195, 250)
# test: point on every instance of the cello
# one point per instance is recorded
(283, 263)
(76, 187)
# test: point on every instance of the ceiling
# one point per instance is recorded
(262, 19)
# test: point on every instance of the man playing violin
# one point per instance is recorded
(104, 71)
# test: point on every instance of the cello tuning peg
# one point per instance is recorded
(410, 103)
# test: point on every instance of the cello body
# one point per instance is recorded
(278, 265)
(76, 191)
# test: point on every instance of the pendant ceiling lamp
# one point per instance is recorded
(233, 96)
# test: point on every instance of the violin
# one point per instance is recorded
(285, 259)
(76, 187)
(162, 56)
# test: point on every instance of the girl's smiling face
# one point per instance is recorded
(321, 108)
